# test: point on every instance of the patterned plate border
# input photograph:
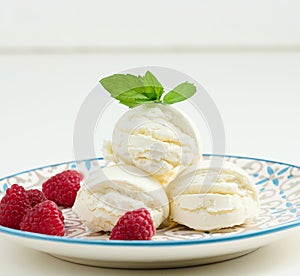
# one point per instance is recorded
(236, 236)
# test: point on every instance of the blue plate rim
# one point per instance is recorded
(234, 237)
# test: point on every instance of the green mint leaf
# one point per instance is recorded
(180, 93)
(128, 89)
(120, 83)
(152, 85)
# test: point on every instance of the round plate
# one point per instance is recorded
(278, 185)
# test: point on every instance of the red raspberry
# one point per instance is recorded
(35, 196)
(134, 225)
(43, 218)
(63, 187)
(13, 206)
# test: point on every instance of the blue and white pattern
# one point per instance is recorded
(278, 186)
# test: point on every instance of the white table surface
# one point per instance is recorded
(258, 95)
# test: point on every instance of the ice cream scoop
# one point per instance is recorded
(158, 139)
(202, 204)
(110, 192)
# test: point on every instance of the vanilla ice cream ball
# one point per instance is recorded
(213, 197)
(108, 193)
(158, 139)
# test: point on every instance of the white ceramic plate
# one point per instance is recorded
(278, 185)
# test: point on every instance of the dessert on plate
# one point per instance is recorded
(108, 193)
(159, 139)
(162, 145)
(213, 197)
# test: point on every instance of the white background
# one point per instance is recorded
(144, 24)
(245, 53)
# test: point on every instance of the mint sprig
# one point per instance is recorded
(133, 90)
